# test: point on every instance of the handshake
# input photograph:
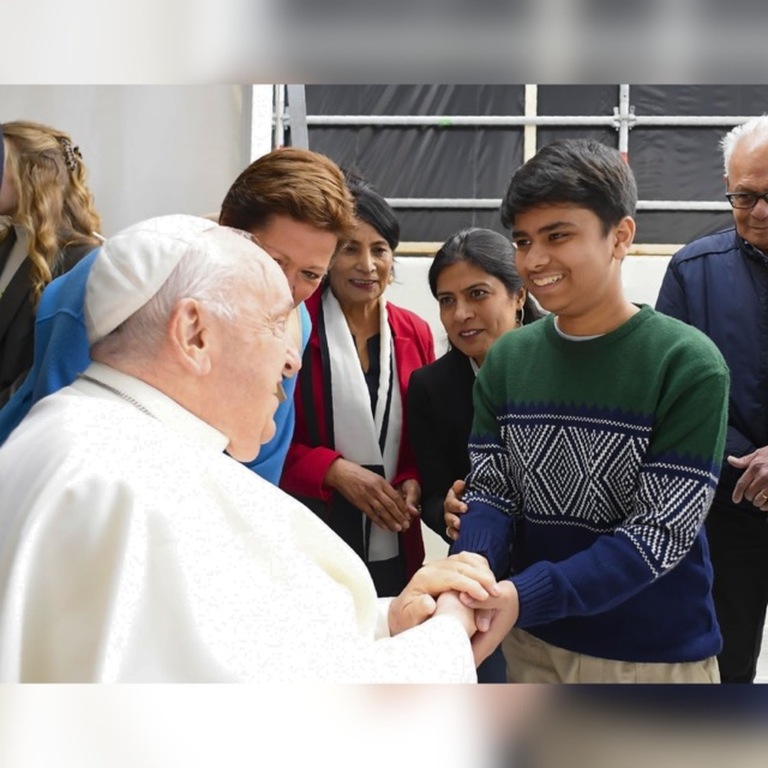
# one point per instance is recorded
(464, 587)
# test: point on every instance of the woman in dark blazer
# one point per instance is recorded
(481, 296)
(50, 224)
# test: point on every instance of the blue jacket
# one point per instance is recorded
(61, 347)
(719, 284)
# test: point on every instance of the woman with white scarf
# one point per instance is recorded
(350, 459)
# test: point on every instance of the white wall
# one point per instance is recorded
(150, 149)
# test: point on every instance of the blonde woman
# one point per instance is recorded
(48, 224)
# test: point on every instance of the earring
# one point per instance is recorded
(521, 315)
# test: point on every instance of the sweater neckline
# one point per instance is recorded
(604, 340)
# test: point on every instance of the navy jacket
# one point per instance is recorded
(719, 284)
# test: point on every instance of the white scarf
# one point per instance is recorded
(357, 434)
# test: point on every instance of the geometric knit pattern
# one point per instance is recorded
(588, 471)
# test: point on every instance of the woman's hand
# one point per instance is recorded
(410, 490)
(453, 508)
(370, 493)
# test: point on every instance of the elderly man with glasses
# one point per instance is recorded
(719, 284)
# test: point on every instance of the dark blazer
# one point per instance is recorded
(439, 409)
(17, 319)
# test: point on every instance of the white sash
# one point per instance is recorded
(357, 433)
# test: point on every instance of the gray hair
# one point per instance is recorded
(210, 274)
(753, 131)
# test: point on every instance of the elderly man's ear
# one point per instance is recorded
(190, 336)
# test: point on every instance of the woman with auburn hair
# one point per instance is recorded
(49, 224)
(296, 205)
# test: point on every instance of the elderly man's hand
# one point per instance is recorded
(753, 483)
(466, 572)
(449, 604)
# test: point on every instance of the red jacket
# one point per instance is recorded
(309, 456)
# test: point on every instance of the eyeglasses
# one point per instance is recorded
(745, 199)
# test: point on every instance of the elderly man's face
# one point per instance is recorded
(748, 172)
(254, 354)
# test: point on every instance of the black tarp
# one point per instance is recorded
(669, 162)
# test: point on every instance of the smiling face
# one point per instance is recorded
(362, 268)
(748, 172)
(572, 267)
(301, 250)
(475, 308)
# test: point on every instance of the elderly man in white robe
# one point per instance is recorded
(133, 547)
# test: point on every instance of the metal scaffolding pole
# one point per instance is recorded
(530, 143)
(281, 118)
(623, 115)
(631, 119)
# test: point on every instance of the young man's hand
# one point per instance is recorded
(494, 617)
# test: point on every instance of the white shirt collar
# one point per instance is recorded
(158, 404)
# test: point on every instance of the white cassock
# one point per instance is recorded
(133, 549)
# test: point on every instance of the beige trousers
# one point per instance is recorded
(530, 660)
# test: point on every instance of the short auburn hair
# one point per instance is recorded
(299, 183)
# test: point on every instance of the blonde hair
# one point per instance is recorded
(55, 206)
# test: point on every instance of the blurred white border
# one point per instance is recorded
(494, 41)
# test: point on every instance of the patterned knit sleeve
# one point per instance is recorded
(492, 491)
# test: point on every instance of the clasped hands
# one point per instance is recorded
(462, 586)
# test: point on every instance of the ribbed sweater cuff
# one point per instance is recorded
(483, 543)
(536, 596)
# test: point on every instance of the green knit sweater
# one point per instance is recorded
(594, 464)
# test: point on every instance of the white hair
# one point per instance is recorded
(753, 132)
(210, 274)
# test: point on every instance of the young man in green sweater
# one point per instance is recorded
(595, 448)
